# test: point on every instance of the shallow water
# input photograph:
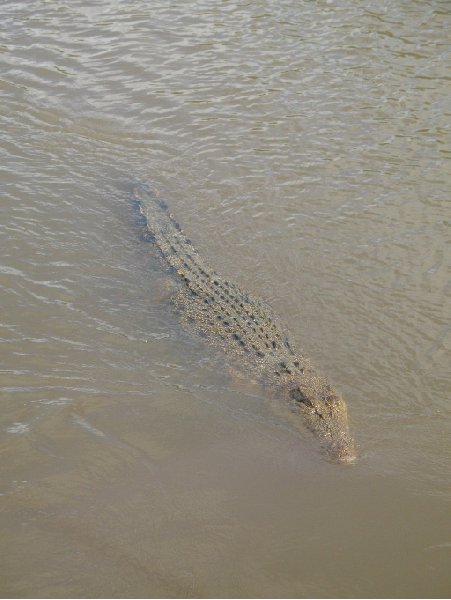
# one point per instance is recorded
(305, 149)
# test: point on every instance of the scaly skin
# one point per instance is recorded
(240, 323)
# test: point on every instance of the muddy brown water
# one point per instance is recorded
(305, 149)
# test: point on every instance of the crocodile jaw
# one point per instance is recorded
(342, 450)
(325, 414)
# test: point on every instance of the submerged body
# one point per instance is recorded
(240, 323)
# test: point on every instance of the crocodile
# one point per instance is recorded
(227, 315)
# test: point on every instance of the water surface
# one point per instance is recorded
(305, 149)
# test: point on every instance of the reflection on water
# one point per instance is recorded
(304, 147)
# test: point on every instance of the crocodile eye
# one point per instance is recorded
(300, 397)
(331, 399)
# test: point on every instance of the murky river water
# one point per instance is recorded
(305, 148)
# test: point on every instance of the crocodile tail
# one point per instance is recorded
(161, 225)
(148, 196)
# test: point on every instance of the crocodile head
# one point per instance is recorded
(325, 414)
